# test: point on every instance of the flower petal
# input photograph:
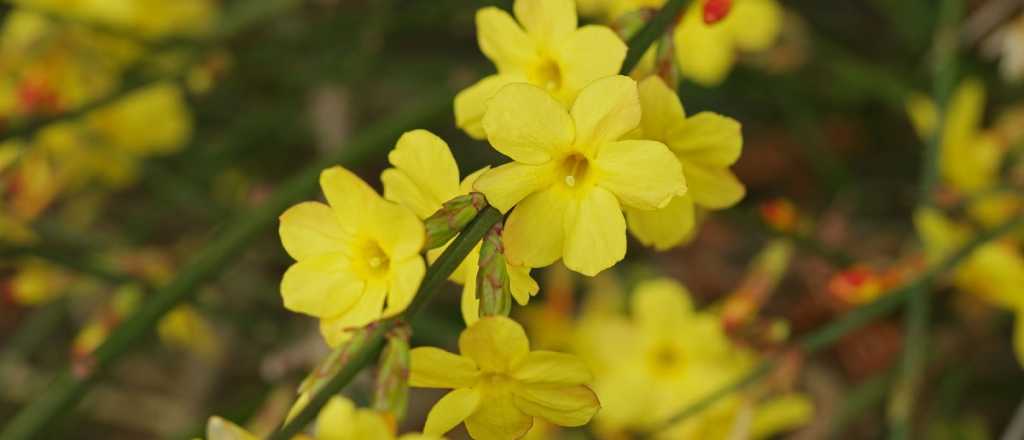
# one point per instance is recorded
(755, 24)
(590, 53)
(369, 424)
(563, 406)
(469, 304)
(707, 138)
(662, 109)
(658, 306)
(503, 41)
(547, 21)
(526, 124)
(337, 330)
(782, 413)
(348, 196)
(221, 429)
(451, 410)
(495, 343)
(507, 185)
(310, 229)
(335, 420)
(432, 367)
(534, 233)
(471, 103)
(663, 228)
(403, 283)
(424, 160)
(704, 53)
(397, 230)
(605, 110)
(595, 233)
(498, 418)
(523, 286)
(711, 187)
(642, 174)
(552, 368)
(322, 286)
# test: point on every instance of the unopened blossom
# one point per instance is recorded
(573, 173)
(425, 175)
(500, 386)
(357, 259)
(706, 145)
(541, 46)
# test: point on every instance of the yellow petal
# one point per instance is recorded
(754, 24)
(424, 160)
(503, 41)
(642, 174)
(469, 304)
(966, 109)
(521, 283)
(663, 228)
(471, 103)
(435, 368)
(220, 429)
(336, 420)
(310, 229)
(498, 418)
(396, 229)
(590, 53)
(662, 109)
(469, 181)
(348, 195)
(780, 414)
(923, 114)
(712, 187)
(369, 425)
(659, 306)
(403, 283)
(552, 368)
(451, 410)
(595, 233)
(707, 138)
(1018, 337)
(526, 124)
(605, 110)
(535, 233)
(704, 53)
(495, 343)
(547, 21)
(337, 330)
(507, 185)
(563, 406)
(322, 286)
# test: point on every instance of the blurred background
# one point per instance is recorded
(148, 146)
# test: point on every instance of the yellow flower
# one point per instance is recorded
(185, 327)
(572, 175)
(706, 53)
(424, 176)
(706, 144)
(35, 282)
(544, 48)
(351, 256)
(500, 385)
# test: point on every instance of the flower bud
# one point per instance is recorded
(716, 10)
(335, 361)
(492, 277)
(454, 215)
(392, 391)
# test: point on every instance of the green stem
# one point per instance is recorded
(432, 281)
(853, 320)
(650, 33)
(233, 238)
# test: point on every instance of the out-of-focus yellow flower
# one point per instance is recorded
(185, 327)
(424, 176)
(572, 174)
(36, 282)
(154, 120)
(148, 18)
(706, 53)
(351, 257)
(338, 420)
(126, 299)
(500, 385)
(543, 48)
(30, 186)
(706, 144)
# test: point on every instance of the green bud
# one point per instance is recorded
(335, 361)
(453, 216)
(392, 390)
(492, 278)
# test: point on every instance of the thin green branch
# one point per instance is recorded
(75, 261)
(853, 320)
(650, 33)
(437, 274)
(233, 238)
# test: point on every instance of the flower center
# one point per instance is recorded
(496, 383)
(666, 360)
(575, 168)
(548, 75)
(373, 260)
